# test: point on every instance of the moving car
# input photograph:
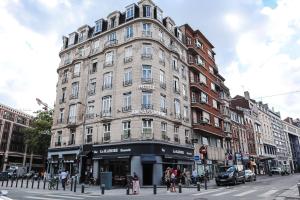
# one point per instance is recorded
(230, 175)
(249, 175)
(276, 170)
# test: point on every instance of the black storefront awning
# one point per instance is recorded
(148, 159)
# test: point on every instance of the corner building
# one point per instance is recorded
(123, 99)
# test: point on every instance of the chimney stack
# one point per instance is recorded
(247, 95)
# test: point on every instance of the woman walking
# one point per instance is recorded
(168, 178)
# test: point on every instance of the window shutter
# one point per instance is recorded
(155, 13)
(144, 11)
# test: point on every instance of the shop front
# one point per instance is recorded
(148, 159)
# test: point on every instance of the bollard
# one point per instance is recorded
(198, 186)
(57, 184)
(27, 183)
(205, 183)
(38, 186)
(298, 184)
(102, 189)
(17, 182)
(12, 182)
(82, 188)
(7, 182)
(44, 184)
(32, 183)
(127, 190)
(179, 188)
(154, 189)
(22, 182)
(71, 184)
(2, 183)
(75, 182)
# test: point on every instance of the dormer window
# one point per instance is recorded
(72, 39)
(130, 12)
(81, 36)
(198, 44)
(113, 22)
(147, 11)
(159, 15)
(98, 26)
(179, 35)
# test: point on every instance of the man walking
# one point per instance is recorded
(63, 177)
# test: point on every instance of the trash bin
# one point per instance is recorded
(106, 178)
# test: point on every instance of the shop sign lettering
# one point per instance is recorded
(178, 151)
(148, 112)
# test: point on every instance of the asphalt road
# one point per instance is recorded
(266, 188)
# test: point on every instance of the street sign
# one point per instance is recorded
(196, 157)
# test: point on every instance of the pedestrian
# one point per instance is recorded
(194, 176)
(63, 177)
(168, 178)
(136, 184)
(173, 180)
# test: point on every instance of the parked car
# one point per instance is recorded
(230, 175)
(276, 170)
(249, 175)
(29, 174)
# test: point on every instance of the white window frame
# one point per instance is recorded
(204, 97)
(106, 103)
(98, 26)
(213, 86)
(130, 12)
(162, 77)
(128, 52)
(202, 78)
(215, 104)
(109, 57)
(146, 98)
(147, 71)
(206, 117)
(129, 31)
(177, 106)
(216, 122)
(75, 89)
(147, 124)
(107, 80)
(128, 75)
(127, 97)
(163, 102)
(148, 11)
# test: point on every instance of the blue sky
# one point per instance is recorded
(257, 44)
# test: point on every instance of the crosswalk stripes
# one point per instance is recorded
(41, 198)
(267, 194)
(222, 193)
(67, 197)
(208, 192)
(245, 193)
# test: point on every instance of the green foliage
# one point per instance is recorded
(38, 136)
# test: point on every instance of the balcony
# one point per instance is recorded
(108, 63)
(64, 80)
(57, 144)
(110, 43)
(147, 134)
(60, 121)
(91, 92)
(163, 85)
(107, 87)
(126, 109)
(125, 135)
(76, 74)
(147, 34)
(67, 61)
(128, 59)
(71, 121)
(147, 80)
(173, 48)
(176, 90)
(164, 110)
(71, 142)
(164, 136)
(106, 114)
(186, 119)
(147, 106)
(146, 56)
(106, 137)
(73, 96)
(61, 101)
(127, 82)
(176, 138)
(95, 50)
(90, 115)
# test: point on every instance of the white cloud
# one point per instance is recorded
(234, 21)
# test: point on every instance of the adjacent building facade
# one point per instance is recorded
(13, 150)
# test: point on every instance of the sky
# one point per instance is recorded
(257, 45)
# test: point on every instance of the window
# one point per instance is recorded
(127, 77)
(129, 31)
(213, 86)
(98, 26)
(59, 134)
(198, 44)
(65, 76)
(147, 29)
(126, 130)
(90, 109)
(94, 67)
(163, 103)
(215, 104)
(184, 91)
(205, 117)
(147, 73)
(61, 116)
(216, 122)
(96, 45)
(162, 79)
(109, 56)
(72, 137)
(163, 128)
(179, 35)
(92, 86)
(210, 53)
(113, 22)
(147, 11)
(81, 36)
(72, 113)
(106, 105)
(205, 140)
(128, 53)
(89, 134)
(107, 80)
(199, 61)
(147, 51)
(176, 84)
(159, 15)
(75, 90)
(127, 101)
(72, 39)
(161, 35)
(130, 12)
(188, 41)
(174, 64)
(185, 113)
(146, 100)
(177, 108)
(81, 51)
(76, 71)
(63, 95)
(147, 127)
(112, 37)
(106, 132)
(183, 71)
(176, 129)
(202, 78)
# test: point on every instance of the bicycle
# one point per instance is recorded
(52, 183)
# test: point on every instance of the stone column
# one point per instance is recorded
(157, 171)
(95, 168)
(137, 167)
(7, 146)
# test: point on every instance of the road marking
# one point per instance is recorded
(62, 196)
(244, 193)
(41, 198)
(269, 193)
(207, 192)
(5, 198)
(222, 193)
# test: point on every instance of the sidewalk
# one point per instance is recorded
(291, 193)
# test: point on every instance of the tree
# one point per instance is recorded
(38, 135)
